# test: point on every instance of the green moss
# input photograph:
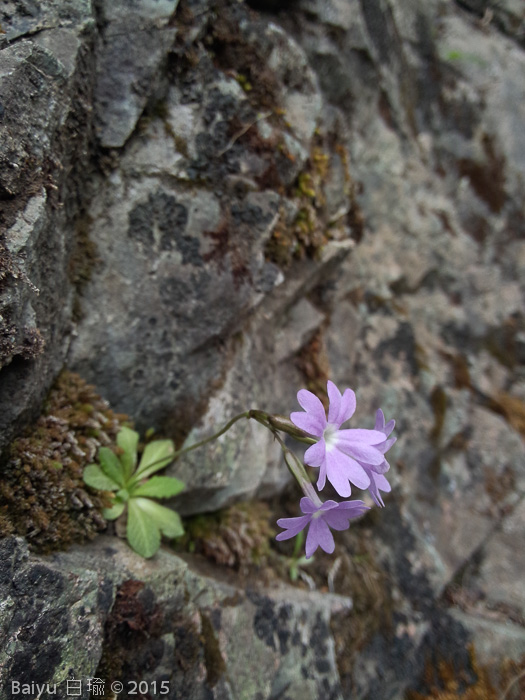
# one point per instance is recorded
(83, 260)
(233, 54)
(84, 256)
(213, 659)
(312, 227)
(134, 620)
(42, 493)
(244, 82)
(237, 537)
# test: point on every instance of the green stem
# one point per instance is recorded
(273, 423)
(228, 425)
(298, 471)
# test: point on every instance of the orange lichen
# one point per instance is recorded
(445, 683)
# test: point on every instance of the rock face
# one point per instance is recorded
(205, 207)
(46, 85)
(103, 613)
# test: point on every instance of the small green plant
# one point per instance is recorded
(297, 560)
(134, 487)
(455, 55)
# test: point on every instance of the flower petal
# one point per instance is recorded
(338, 519)
(354, 508)
(361, 452)
(315, 454)
(386, 445)
(334, 407)
(380, 420)
(293, 526)
(376, 496)
(355, 473)
(348, 404)
(368, 437)
(336, 469)
(389, 427)
(319, 535)
(321, 481)
(380, 468)
(329, 505)
(308, 506)
(312, 405)
(382, 483)
(308, 423)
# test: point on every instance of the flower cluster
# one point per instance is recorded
(343, 457)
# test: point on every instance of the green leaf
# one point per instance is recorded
(157, 455)
(128, 440)
(303, 561)
(95, 477)
(142, 532)
(167, 520)
(115, 511)
(159, 487)
(111, 465)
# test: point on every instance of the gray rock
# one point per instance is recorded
(507, 15)
(103, 610)
(500, 574)
(182, 224)
(422, 325)
(45, 82)
(133, 46)
(183, 318)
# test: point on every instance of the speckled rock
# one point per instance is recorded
(224, 157)
(46, 81)
(268, 200)
(429, 318)
(105, 613)
(134, 41)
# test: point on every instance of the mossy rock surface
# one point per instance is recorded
(42, 493)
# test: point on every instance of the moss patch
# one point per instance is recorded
(213, 659)
(83, 260)
(232, 53)
(312, 361)
(314, 225)
(134, 622)
(237, 537)
(42, 493)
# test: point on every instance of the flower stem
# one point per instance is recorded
(298, 471)
(228, 425)
(272, 422)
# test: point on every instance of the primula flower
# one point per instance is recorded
(320, 519)
(340, 454)
(376, 472)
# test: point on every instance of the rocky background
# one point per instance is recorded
(204, 206)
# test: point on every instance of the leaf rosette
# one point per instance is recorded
(136, 490)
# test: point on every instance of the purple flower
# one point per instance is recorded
(320, 518)
(340, 454)
(376, 472)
